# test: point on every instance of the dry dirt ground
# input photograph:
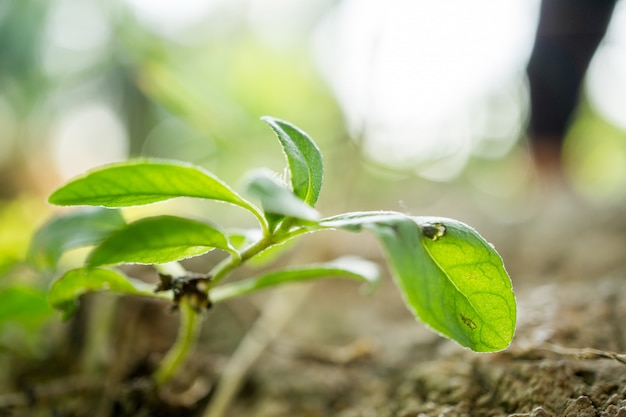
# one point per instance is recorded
(346, 354)
(568, 265)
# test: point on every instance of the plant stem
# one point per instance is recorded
(189, 318)
(227, 265)
(188, 331)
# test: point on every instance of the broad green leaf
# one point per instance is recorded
(143, 182)
(449, 276)
(304, 159)
(276, 199)
(350, 267)
(23, 305)
(157, 240)
(86, 227)
(65, 291)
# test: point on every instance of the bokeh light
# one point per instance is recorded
(424, 88)
(413, 77)
(76, 35)
(179, 20)
(86, 137)
(606, 79)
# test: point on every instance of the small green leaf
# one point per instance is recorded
(350, 267)
(143, 182)
(304, 159)
(276, 199)
(157, 240)
(449, 276)
(65, 291)
(84, 227)
(355, 221)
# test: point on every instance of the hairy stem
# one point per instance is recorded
(229, 264)
(225, 267)
(188, 331)
(260, 217)
(189, 318)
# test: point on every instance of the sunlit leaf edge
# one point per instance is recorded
(65, 291)
(347, 267)
(63, 195)
(380, 223)
(129, 245)
(277, 200)
(83, 227)
(305, 161)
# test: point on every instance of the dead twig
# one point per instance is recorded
(576, 353)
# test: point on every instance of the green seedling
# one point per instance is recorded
(450, 277)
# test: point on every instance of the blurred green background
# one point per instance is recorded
(83, 83)
(409, 114)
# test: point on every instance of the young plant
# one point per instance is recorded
(450, 277)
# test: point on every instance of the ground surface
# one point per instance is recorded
(348, 355)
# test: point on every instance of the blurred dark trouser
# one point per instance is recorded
(568, 34)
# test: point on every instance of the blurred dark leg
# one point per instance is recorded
(568, 34)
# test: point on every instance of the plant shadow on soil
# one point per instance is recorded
(348, 355)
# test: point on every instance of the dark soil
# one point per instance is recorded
(348, 355)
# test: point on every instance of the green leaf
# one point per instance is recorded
(276, 199)
(143, 182)
(350, 267)
(449, 276)
(157, 240)
(355, 221)
(85, 227)
(65, 291)
(304, 159)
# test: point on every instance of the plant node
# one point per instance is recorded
(191, 286)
